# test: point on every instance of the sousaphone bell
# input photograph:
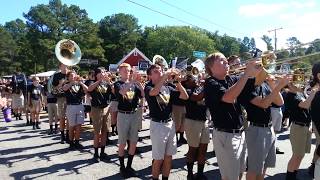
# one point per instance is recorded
(157, 59)
(68, 52)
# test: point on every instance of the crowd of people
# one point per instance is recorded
(245, 111)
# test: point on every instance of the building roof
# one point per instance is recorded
(135, 50)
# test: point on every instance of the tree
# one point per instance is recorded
(295, 47)
(120, 34)
(23, 54)
(177, 41)
(50, 23)
(230, 45)
(7, 49)
(267, 40)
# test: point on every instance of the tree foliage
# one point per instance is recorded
(177, 41)
(120, 34)
(267, 40)
(29, 43)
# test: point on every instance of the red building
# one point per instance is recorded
(134, 58)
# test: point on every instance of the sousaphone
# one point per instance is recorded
(157, 59)
(68, 52)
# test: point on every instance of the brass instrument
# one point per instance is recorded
(69, 54)
(157, 59)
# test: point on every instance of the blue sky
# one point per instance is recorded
(237, 18)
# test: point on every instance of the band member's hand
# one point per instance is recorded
(272, 81)
(315, 89)
(252, 68)
(283, 81)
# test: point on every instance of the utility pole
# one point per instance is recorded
(275, 37)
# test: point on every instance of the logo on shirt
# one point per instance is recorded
(36, 92)
(164, 96)
(75, 88)
(102, 88)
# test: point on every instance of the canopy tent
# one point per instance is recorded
(43, 74)
(7, 76)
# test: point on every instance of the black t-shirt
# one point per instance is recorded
(254, 113)
(315, 110)
(35, 92)
(100, 96)
(74, 94)
(296, 114)
(196, 110)
(160, 106)
(89, 82)
(224, 115)
(178, 101)
(55, 81)
(51, 98)
(126, 104)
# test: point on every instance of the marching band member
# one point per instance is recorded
(300, 134)
(74, 92)
(52, 112)
(196, 127)
(260, 136)
(87, 99)
(315, 115)
(100, 91)
(221, 92)
(58, 81)
(128, 94)
(35, 100)
(162, 130)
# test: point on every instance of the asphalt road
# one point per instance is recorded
(33, 154)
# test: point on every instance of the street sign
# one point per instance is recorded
(199, 54)
(89, 61)
(113, 67)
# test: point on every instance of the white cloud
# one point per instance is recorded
(260, 9)
(304, 27)
(265, 9)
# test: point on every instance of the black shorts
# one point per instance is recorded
(87, 108)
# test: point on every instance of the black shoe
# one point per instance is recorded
(278, 151)
(37, 126)
(104, 157)
(62, 139)
(113, 134)
(67, 139)
(190, 177)
(20, 118)
(182, 141)
(28, 123)
(50, 131)
(78, 145)
(201, 177)
(72, 146)
(123, 172)
(311, 170)
(96, 157)
(131, 172)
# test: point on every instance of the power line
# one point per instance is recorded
(202, 18)
(159, 12)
